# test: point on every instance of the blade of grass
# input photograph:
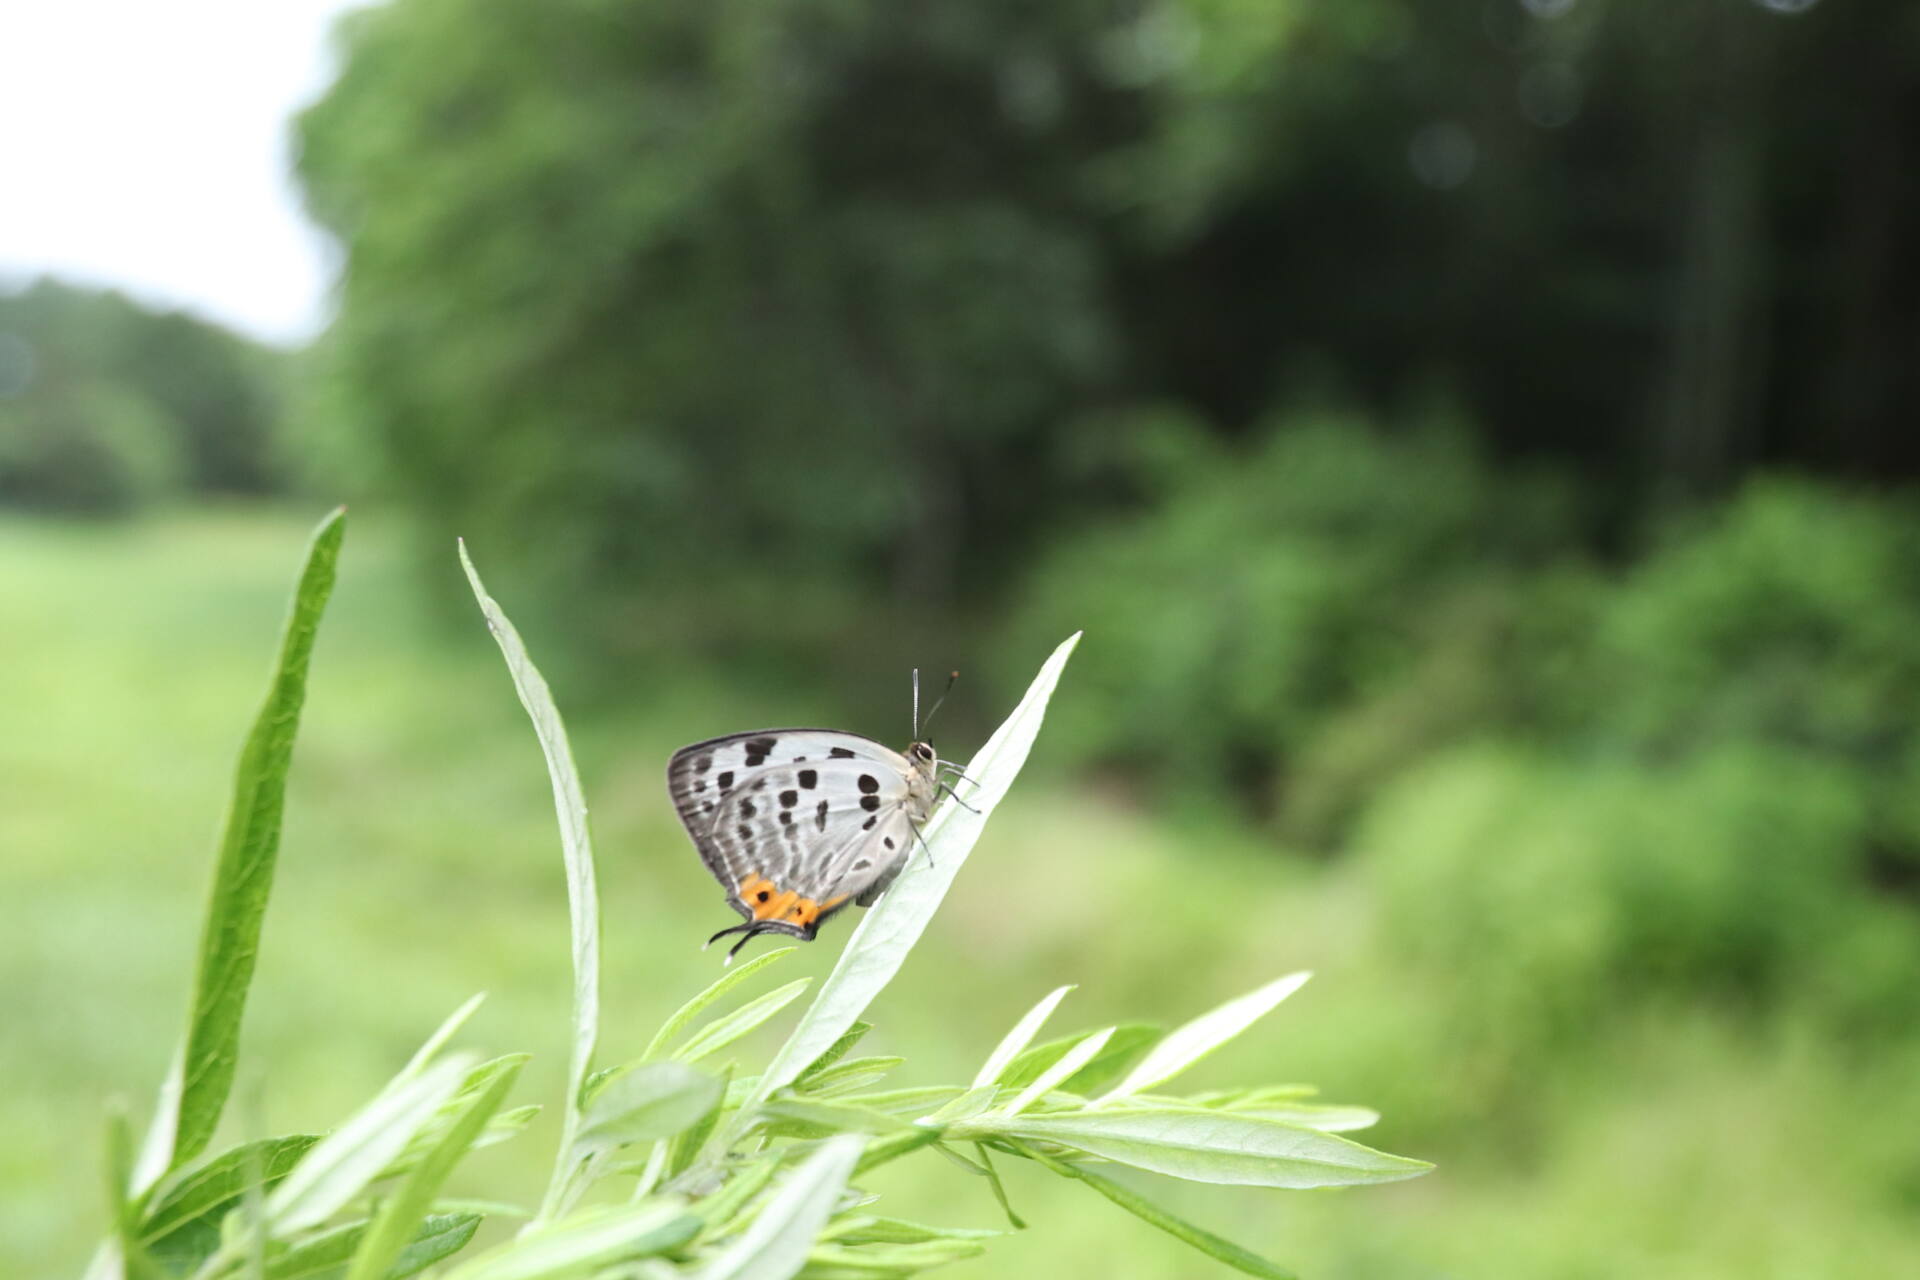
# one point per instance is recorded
(196, 1089)
(880, 945)
(576, 847)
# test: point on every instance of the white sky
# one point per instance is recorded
(143, 146)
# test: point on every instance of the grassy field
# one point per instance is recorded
(420, 866)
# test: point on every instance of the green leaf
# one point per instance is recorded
(1016, 1041)
(812, 1118)
(1054, 1076)
(1122, 1047)
(402, 1212)
(776, 1243)
(442, 1034)
(1186, 1045)
(840, 1048)
(854, 1073)
(215, 1184)
(965, 1107)
(688, 1144)
(916, 1101)
(123, 1211)
(894, 1145)
(862, 1229)
(653, 1100)
(429, 1135)
(586, 1241)
(999, 1188)
(880, 944)
(1179, 1228)
(1207, 1146)
(320, 1254)
(576, 848)
(890, 1260)
(439, 1235)
(719, 1209)
(340, 1165)
(719, 987)
(196, 1089)
(1326, 1118)
(723, 1031)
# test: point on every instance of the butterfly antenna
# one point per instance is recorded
(916, 704)
(952, 679)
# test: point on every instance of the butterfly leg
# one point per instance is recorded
(956, 798)
(928, 849)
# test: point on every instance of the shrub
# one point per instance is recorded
(1269, 592)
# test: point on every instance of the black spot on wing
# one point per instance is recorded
(788, 799)
(868, 824)
(702, 763)
(869, 803)
(820, 816)
(725, 779)
(809, 779)
(868, 784)
(841, 753)
(746, 809)
(758, 749)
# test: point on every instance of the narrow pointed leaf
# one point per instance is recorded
(401, 1213)
(196, 1089)
(1186, 1045)
(724, 1030)
(442, 1034)
(1179, 1228)
(216, 1184)
(727, 981)
(1050, 1079)
(576, 849)
(1208, 1146)
(775, 1245)
(586, 1241)
(1128, 1041)
(341, 1164)
(1017, 1040)
(654, 1100)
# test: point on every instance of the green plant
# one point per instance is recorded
(667, 1166)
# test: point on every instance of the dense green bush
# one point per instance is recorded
(1724, 805)
(1272, 595)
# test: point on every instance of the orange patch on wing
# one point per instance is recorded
(768, 901)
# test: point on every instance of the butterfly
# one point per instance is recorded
(796, 824)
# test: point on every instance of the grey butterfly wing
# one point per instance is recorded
(794, 823)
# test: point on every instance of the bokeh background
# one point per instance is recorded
(1478, 439)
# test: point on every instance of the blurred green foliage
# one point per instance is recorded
(106, 404)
